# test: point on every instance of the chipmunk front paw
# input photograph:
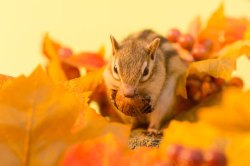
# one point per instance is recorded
(154, 132)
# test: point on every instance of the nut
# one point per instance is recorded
(135, 106)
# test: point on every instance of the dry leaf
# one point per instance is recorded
(194, 28)
(214, 29)
(196, 135)
(91, 125)
(4, 80)
(223, 30)
(90, 61)
(220, 67)
(232, 115)
(54, 68)
(238, 151)
(62, 59)
(35, 120)
(224, 128)
(104, 150)
(88, 82)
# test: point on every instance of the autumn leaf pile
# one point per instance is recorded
(48, 118)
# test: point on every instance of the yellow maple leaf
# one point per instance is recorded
(54, 68)
(196, 135)
(232, 115)
(4, 79)
(215, 28)
(35, 120)
(88, 82)
(238, 150)
(232, 120)
(247, 33)
(220, 67)
(222, 30)
(91, 125)
(105, 150)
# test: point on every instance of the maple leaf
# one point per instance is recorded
(221, 30)
(64, 64)
(90, 124)
(220, 67)
(98, 141)
(238, 150)
(247, 33)
(35, 120)
(196, 135)
(57, 69)
(54, 68)
(231, 34)
(194, 28)
(109, 150)
(223, 127)
(88, 82)
(231, 119)
(89, 60)
(214, 29)
(235, 105)
(4, 79)
(105, 150)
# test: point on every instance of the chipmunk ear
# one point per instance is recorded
(115, 45)
(152, 47)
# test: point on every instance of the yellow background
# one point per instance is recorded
(87, 24)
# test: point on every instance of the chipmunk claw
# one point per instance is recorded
(154, 132)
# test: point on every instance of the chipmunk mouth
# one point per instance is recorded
(135, 106)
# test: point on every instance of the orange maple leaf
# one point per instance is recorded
(4, 79)
(64, 64)
(222, 30)
(220, 67)
(104, 150)
(35, 120)
(89, 60)
(54, 67)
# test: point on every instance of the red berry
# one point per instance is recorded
(215, 158)
(173, 35)
(236, 81)
(190, 157)
(64, 52)
(173, 151)
(207, 43)
(193, 82)
(205, 89)
(199, 52)
(207, 78)
(186, 41)
(219, 81)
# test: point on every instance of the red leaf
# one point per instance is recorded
(104, 150)
(90, 61)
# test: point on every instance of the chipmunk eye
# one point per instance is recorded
(115, 69)
(145, 72)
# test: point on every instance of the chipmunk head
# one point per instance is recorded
(132, 63)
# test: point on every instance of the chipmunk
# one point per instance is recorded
(146, 63)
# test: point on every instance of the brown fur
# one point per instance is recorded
(164, 65)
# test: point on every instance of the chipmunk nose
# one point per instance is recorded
(128, 90)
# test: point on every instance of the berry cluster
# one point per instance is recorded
(199, 49)
(180, 155)
(200, 87)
